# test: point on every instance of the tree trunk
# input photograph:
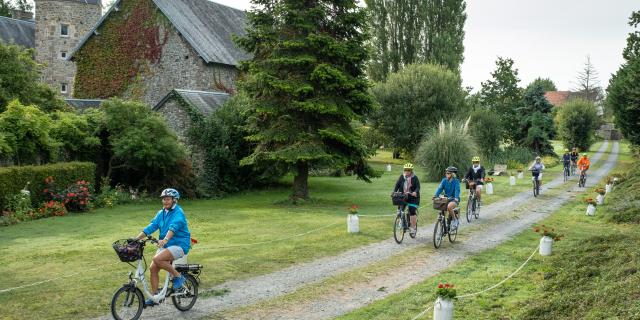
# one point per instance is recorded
(300, 182)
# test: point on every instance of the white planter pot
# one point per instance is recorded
(443, 309)
(591, 210)
(600, 199)
(353, 223)
(521, 175)
(388, 168)
(546, 245)
(608, 187)
(489, 187)
(512, 181)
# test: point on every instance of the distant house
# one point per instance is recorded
(144, 49)
(557, 98)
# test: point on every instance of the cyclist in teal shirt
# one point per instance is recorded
(450, 185)
(174, 243)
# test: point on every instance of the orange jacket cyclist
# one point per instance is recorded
(583, 163)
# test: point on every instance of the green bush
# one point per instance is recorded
(484, 126)
(449, 145)
(577, 121)
(26, 132)
(13, 179)
(513, 157)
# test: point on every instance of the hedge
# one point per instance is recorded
(14, 178)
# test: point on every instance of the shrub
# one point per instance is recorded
(485, 129)
(577, 121)
(26, 132)
(75, 136)
(14, 177)
(414, 99)
(19, 205)
(51, 209)
(624, 202)
(449, 145)
(550, 162)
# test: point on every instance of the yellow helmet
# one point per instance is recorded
(408, 166)
(475, 159)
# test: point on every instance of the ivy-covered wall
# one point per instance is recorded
(138, 54)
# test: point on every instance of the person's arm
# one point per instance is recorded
(469, 173)
(439, 190)
(456, 190)
(417, 184)
(398, 186)
(482, 174)
(151, 228)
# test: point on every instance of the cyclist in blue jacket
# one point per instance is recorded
(450, 185)
(174, 243)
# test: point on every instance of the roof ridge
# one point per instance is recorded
(19, 20)
(201, 91)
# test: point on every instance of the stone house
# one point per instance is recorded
(144, 49)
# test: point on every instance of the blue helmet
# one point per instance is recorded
(170, 193)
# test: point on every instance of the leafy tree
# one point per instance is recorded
(546, 83)
(415, 31)
(502, 95)
(588, 84)
(577, 121)
(76, 137)
(415, 99)
(307, 84)
(19, 79)
(485, 129)
(24, 5)
(624, 87)
(5, 8)
(536, 124)
(26, 132)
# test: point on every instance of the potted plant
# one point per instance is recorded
(353, 223)
(488, 182)
(548, 236)
(591, 206)
(600, 198)
(443, 308)
(608, 184)
(520, 170)
(512, 179)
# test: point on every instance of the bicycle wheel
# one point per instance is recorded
(534, 188)
(470, 211)
(398, 229)
(476, 208)
(453, 232)
(416, 233)
(186, 297)
(127, 303)
(566, 174)
(438, 233)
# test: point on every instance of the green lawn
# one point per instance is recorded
(79, 243)
(591, 275)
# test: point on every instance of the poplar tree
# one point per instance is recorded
(306, 84)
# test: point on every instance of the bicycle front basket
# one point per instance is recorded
(128, 250)
(398, 198)
(440, 204)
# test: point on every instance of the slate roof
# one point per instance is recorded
(204, 101)
(83, 104)
(20, 32)
(207, 26)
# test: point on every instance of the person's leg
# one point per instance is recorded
(479, 192)
(450, 207)
(413, 217)
(154, 278)
(163, 261)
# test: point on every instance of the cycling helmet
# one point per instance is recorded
(584, 154)
(169, 192)
(475, 159)
(566, 150)
(538, 158)
(452, 169)
(408, 166)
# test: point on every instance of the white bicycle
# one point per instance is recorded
(128, 301)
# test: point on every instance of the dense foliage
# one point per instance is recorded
(25, 130)
(546, 83)
(414, 100)
(624, 87)
(448, 145)
(20, 79)
(577, 121)
(502, 95)
(306, 83)
(484, 126)
(536, 122)
(623, 202)
(415, 31)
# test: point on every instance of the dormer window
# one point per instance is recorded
(64, 30)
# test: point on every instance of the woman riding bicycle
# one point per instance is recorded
(583, 164)
(475, 175)
(450, 185)
(409, 184)
(175, 239)
(566, 160)
(536, 168)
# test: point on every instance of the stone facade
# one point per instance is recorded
(53, 46)
(180, 66)
(177, 118)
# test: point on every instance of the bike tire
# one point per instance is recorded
(438, 233)
(534, 188)
(476, 209)
(186, 302)
(470, 211)
(131, 307)
(453, 233)
(398, 229)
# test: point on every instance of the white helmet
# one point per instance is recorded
(169, 192)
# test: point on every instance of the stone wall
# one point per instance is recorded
(180, 67)
(51, 14)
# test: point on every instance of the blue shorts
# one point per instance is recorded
(175, 251)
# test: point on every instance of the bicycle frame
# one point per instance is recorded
(139, 278)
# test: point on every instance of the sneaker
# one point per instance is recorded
(178, 282)
(412, 231)
(149, 303)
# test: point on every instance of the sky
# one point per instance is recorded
(545, 38)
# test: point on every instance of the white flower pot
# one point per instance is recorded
(353, 223)
(388, 168)
(546, 245)
(443, 309)
(512, 181)
(489, 188)
(600, 199)
(591, 210)
(607, 188)
(520, 175)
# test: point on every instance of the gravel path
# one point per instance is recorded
(487, 234)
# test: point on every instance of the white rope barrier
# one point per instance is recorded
(487, 289)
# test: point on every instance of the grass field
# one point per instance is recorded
(77, 244)
(591, 275)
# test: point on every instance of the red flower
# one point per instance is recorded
(194, 241)
(440, 286)
(446, 285)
